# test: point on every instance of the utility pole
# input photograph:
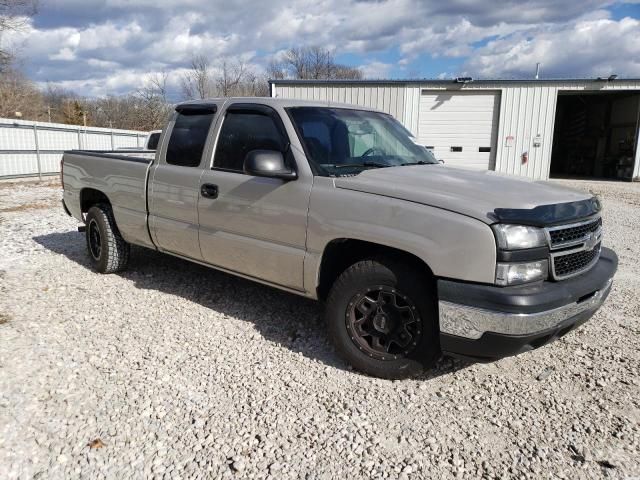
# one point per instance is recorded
(49, 112)
(84, 118)
(537, 70)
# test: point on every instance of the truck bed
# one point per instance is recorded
(121, 175)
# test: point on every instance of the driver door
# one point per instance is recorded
(255, 226)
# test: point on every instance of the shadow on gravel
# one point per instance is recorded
(292, 321)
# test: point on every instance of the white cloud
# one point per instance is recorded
(108, 35)
(105, 46)
(96, 63)
(65, 54)
(376, 70)
(453, 40)
(591, 47)
(118, 81)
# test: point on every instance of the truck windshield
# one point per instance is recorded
(341, 141)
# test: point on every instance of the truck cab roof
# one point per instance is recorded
(276, 102)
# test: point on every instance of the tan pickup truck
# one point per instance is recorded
(338, 203)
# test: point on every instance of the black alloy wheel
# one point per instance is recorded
(95, 247)
(384, 323)
(382, 317)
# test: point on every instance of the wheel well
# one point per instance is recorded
(341, 253)
(90, 197)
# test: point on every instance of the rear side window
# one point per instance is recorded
(187, 140)
(152, 144)
(242, 132)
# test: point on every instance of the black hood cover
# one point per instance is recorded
(546, 215)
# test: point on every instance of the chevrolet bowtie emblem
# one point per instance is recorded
(591, 241)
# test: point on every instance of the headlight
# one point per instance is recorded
(517, 273)
(516, 237)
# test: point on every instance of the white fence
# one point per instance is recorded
(35, 148)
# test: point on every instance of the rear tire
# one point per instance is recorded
(108, 251)
(382, 318)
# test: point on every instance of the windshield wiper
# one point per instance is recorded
(420, 162)
(355, 165)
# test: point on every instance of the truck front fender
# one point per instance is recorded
(452, 245)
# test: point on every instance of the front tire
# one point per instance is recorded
(382, 318)
(108, 251)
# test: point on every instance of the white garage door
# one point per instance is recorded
(460, 127)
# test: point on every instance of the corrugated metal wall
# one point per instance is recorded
(25, 150)
(386, 97)
(527, 115)
(527, 112)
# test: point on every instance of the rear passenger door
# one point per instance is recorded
(255, 225)
(174, 185)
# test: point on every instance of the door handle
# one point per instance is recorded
(209, 190)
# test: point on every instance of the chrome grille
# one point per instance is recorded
(575, 248)
(566, 235)
(567, 264)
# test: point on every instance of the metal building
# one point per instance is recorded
(535, 128)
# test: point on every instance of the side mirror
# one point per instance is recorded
(268, 163)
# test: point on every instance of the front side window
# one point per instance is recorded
(188, 137)
(243, 132)
(343, 141)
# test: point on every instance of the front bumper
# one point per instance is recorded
(485, 322)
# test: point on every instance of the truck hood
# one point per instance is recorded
(471, 193)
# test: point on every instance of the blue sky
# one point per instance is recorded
(100, 47)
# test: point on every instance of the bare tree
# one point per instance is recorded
(19, 94)
(153, 109)
(296, 61)
(254, 86)
(196, 83)
(145, 109)
(232, 74)
(250, 84)
(14, 15)
(55, 99)
(158, 82)
(311, 63)
(75, 112)
(277, 70)
(231, 77)
(321, 62)
(238, 79)
(112, 111)
(344, 72)
(234, 77)
(124, 111)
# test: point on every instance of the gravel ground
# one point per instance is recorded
(173, 370)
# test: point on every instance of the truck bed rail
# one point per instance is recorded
(141, 156)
